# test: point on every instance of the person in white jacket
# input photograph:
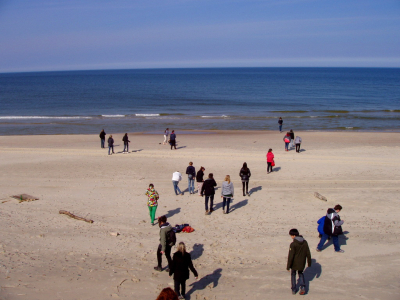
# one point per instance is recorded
(176, 177)
(227, 192)
(298, 141)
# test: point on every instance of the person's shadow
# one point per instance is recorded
(137, 150)
(173, 212)
(255, 189)
(180, 147)
(197, 251)
(342, 240)
(276, 169)
(204, 282)
(238, 205)
(312, 272)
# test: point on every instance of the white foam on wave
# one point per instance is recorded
(113, 116)
(222, 116)
(40, 117)
(147, 115)
(349, 127)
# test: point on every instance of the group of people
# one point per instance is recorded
(290, 141)
(110, 141)
(172, 138)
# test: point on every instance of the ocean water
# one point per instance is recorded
(323, 99)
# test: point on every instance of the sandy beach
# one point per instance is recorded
(46, 255)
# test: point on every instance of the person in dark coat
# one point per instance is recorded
(191, 172)
(245, 176)
(110, 144)
(102, 136)
(181, 263)
(172, 139)
(298, 253)
(280, 122)
(126, 143)
(199, 179)
(208, 190)
(332, 228)
(291, 138)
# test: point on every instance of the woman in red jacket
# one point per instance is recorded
(270, 161)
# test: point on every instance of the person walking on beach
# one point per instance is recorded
(200, 180)
(280, 122)
(181, 263)
(110, 145)
(227, 192)
(270, 161)
(152, 202)
(208, 190)
(165, 244)
(245, 176)
(191, 172)
(166, 134)
(172, 139)
(102, 138)
(297, 142)
(176, 177)
(291, 138)
(299, 252)
(332, 228)
(126, 143)
(286, 139)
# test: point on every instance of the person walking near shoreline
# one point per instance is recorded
(332, 228)
(208, 190)
(191, 172)
(164, 247)
(172, 139)
(227, 191)
(110, 145)
(291, 138)
(200, 180)
(299, 252)
(297, 142)
(176, 177)
(286, 139)
(152, 202)
(280, 122)
(102, 136)
(245, 176)
(126, 143)
(270, 161)
(166, 134)
(181, 263)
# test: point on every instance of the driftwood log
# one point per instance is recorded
(64, 212)
(25, 198)
(319, 196)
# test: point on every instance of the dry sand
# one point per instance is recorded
(45, 255)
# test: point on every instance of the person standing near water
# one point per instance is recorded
(181, 263)
(102, 138)
(152, 202)
(110, 144)
(280, 122)
(245, 176)
(270, 161)
(200, 180)
(172, 139)
(227, 192)
(126, 143)
(166, 134)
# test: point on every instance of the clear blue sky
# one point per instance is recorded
(39, 35)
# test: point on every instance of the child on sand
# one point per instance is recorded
(298, 253)
(152, 202)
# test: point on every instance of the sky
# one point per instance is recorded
(48, 35)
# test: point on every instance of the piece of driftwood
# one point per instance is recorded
(64, 212)
(319, 196)
(25, 198)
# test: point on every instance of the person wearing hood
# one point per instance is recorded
(152, 202)
(102, 136)
(208, 190)
(227, 191)
(245, 175)
(332, 228)
(299, 252)
(164, 247)
(181, 263)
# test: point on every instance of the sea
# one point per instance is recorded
(202, 99)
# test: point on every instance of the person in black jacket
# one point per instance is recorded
(126, 143)
(298, 253)
(291, 138)
(181, 263)
(332, 228)
(208, 190)
(191, 172)
(245, 176)
(102, 138)
(200, 180)
(110, 144)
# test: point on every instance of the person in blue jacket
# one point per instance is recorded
(321, 227)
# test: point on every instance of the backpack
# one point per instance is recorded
(171, 238)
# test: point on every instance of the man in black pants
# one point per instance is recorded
(164, 247)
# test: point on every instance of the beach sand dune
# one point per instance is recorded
(46, 255)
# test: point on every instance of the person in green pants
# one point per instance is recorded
(152, 202)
